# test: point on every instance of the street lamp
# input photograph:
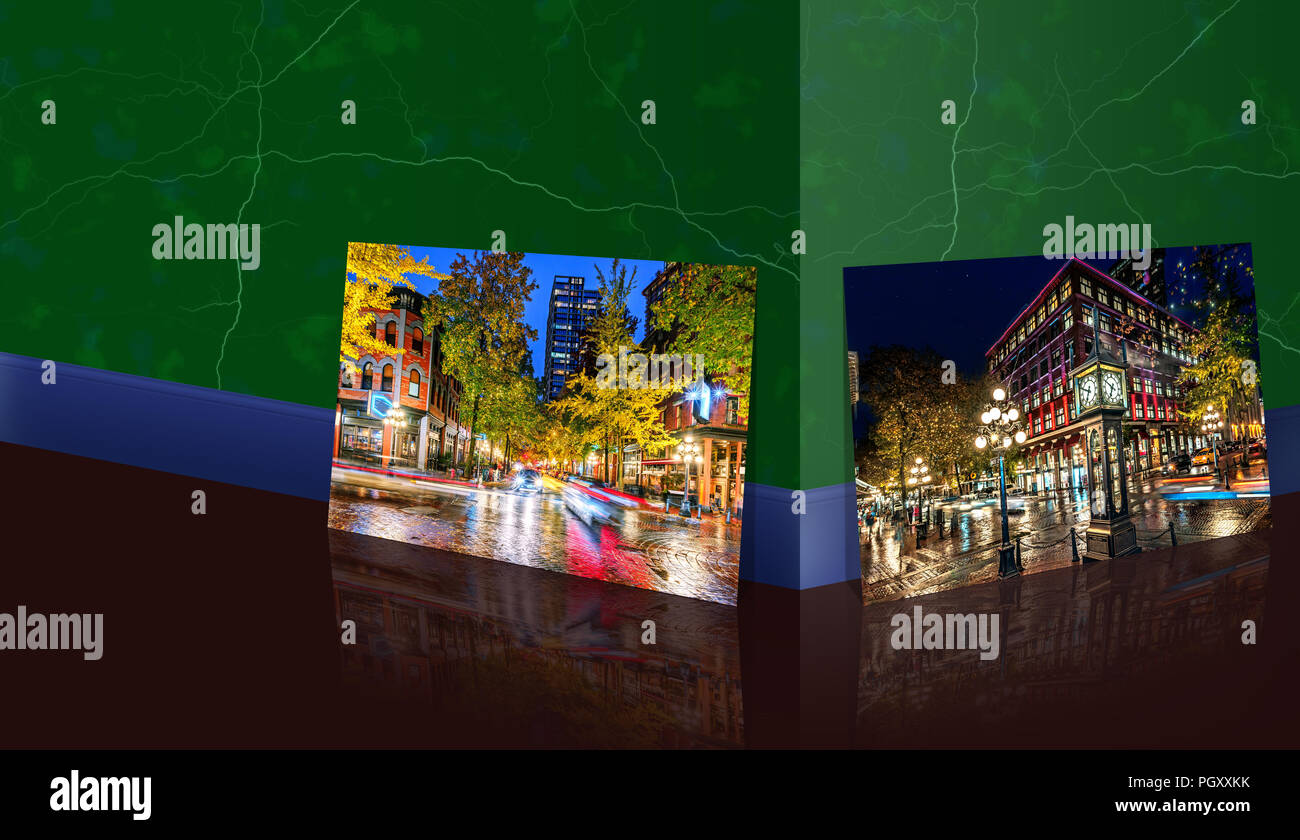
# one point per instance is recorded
(1000, 429)
(919, 479)
(395, 419)
(688, 451)
(1211, 423)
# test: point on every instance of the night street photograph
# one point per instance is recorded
(580, 415)
(1051, 412)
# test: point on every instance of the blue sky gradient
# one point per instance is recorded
(545, 267)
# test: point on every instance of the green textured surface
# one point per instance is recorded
(523, 117)
(1111, 112)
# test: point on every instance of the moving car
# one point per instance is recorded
(1203, 457)
(592, 501)
(527, 481)
(1180, 463)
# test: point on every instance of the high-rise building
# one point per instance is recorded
(853, 377)
(572, 308)
(656, 336)
(1148, 282)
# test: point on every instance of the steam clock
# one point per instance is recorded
(1101, 396)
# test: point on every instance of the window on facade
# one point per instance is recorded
(1085, 286)
(1060, 416)
(1038, 425)
(733, 410)
(367, 376)
(390, 334)
(1103, 322)
(417, 342)
(1146, 386)
(1034, 400)
(387, 384)
(1160, 411)
(1047, 422)
(413, 385)
(1047, 393)
(1056, 387)
(1140, 411)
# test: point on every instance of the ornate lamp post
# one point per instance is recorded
(1000, 429)
(919, 479)
(688, 451)
(1211, 424)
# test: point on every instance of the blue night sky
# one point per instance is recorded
(545, 267)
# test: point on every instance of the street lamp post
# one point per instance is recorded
(688, 451)
(1000, 429)
(920, 478)
(1211, 424)
(394, 420)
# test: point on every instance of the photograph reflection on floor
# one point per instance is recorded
(458, 651)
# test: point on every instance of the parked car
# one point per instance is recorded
(1203, 457)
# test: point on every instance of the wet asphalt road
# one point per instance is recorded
(648, 549)
(893, 569)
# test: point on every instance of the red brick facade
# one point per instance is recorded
(396, 409)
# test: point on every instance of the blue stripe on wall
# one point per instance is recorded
(217, 435)
(799, 551)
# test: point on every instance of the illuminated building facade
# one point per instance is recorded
(1054, 334)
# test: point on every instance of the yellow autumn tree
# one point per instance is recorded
(373, 272)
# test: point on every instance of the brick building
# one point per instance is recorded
(396, 410)
(1053, 334)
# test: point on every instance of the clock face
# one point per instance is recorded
(1087, 391)
(1112, 390)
